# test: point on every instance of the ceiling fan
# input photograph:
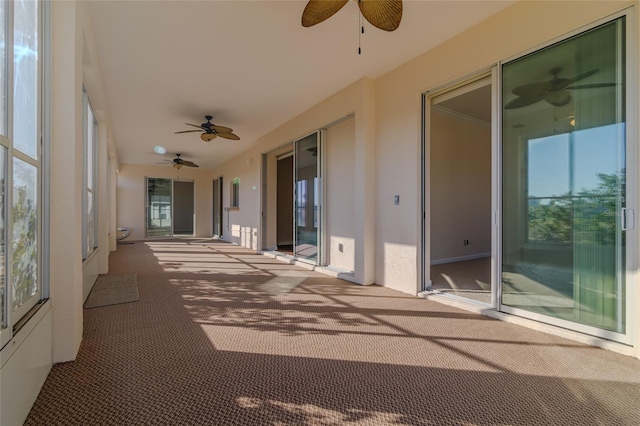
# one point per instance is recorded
(210, 131)
(179, 162)
(383, 14)
(555, 91)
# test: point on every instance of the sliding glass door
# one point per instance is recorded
(159, 207)
(307, 198)
(564, 188)
(217, 207)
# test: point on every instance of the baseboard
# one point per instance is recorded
(460, 258)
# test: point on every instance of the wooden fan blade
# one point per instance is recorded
(522, 102)
(221, 129)
(189, 164)
(194, 125)
(317, 11)
(581, 76)
(188, 131)
(533, 89)
(592, 86)
(229, 135)
(207, 137)
(558, 98)
(383, 14)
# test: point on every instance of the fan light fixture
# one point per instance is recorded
(210, 131)
(178, 162)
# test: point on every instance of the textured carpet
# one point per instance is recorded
(469, 278)
(113, 290)
(225, 337)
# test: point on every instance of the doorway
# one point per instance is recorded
(170, 208)
(217, 207)
(183, 200)
(460, 191)
(285, 201)
(292, 199)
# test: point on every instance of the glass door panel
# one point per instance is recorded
(159, 207)
(563, 180)
(307, 198)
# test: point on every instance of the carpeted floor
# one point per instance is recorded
(221, 336)
(470, 279)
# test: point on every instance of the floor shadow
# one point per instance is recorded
(291, 347)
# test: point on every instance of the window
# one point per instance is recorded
(90, 213)
(3, 234)
(549, 191)
(20, 162)
(301, 205)
(235, 193)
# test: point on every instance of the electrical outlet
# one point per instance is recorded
(465, 242)
(340, 248)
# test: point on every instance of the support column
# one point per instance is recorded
(365, 191)
(66, 181)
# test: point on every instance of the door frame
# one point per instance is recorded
(632, 191)
(632, 163)
(425, 243)
(219, 183)
(319, 260)
(321, 167)
(146, 208)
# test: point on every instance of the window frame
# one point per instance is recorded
(86, 190)
(235, 194)
(15, 318)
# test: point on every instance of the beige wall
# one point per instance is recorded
(398, 116)
(130, 196)
(460, 179)
(339, 189)
(243, 224)
(387, 113)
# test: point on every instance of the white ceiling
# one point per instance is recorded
(250, 64)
